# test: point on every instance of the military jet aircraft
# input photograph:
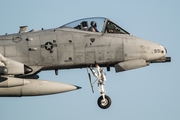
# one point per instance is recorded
(86, 43)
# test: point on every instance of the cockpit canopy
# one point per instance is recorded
(96, 24)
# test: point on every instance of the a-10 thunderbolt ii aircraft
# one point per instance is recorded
(86, 43)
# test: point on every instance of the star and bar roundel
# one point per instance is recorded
(48, 46)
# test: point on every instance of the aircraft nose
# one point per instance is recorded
(161, 50)
(168, 59)
(160, 54)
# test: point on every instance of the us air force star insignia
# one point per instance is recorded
(48, 46)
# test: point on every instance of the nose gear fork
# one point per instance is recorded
(104, 101)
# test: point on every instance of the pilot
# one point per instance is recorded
(110, 27)
(84, 25)
(93, 27)
(78, 27)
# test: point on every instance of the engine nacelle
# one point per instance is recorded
(128, 65)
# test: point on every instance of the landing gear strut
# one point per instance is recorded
(104, 101)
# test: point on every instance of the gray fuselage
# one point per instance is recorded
(65, 48)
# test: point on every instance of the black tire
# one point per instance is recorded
(106, 104)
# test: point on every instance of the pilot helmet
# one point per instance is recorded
(93, 24)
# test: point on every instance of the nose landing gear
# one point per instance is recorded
(104, 101)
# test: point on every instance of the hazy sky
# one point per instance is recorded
(149, 93)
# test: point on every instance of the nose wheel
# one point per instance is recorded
(104, 101)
